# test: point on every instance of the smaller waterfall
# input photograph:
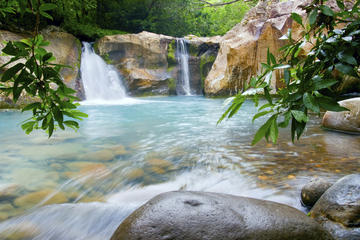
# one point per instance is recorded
(101, 81)
(183, 60)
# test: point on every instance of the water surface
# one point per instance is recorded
(125, 154)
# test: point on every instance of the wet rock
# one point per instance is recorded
(135, 174)
(212, 216)
(9, 193)
(156, 162)
(313, 190)
(21, 231)
(101, 155)
(346, 121)
(31, 199)
(119, 150)
(338, 209)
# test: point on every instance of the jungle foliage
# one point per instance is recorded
(91, 19)
(334, 38)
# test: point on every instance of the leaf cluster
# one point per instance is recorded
(309, 79)
(31, 71)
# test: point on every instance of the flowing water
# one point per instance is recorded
(102, 83)
(81, 185)
(125, 154)
(183, 83)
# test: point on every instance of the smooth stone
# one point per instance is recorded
(213, 216)
(7, 207)
(101, 155)
(313, 190)
(159, 162)
(338, 209)
(31, 199)
(135, 173)
(21, 231)
(9, 193)
(119, 150)
(346, 121)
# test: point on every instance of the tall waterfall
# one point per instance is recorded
(183, 60)
(102, 82)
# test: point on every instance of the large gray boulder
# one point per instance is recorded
(338, 209)
(213, 216)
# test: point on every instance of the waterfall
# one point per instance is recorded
(183, 60)
(102, 82)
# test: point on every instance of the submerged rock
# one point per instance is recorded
(346, 121)
(212, 216)
(338, 209)
(313, 190)
(45, 196)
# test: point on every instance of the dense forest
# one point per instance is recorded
(92, 19)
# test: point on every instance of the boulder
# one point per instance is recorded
(338, 209)
(313, 190)
(244, 48)
(65, 47)
(212, 216)
(148, 61)
(346, 121)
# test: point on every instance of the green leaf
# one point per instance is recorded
(51, 126)
(299, 116)
(287, 76)
(45, 14)
(313, 16)
(31, 106)
(47, 6)
(310, 103)
(346, 69)
(340, 4)
(265, 106)
(10, 49)
(330, 104)
(11, 72)
(260, 114)
(297, 18)
(326, 10)
(274, 131)
(347, 58)
(262, 131)
(71, 124)
(267, 95)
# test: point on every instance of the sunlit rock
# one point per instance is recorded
(347, 121)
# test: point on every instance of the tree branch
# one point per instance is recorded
(209, 4)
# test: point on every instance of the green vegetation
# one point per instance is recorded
(92, 19)
(31, 72)
(311, 79)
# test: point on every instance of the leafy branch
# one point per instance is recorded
(33, 73)
(310, 80)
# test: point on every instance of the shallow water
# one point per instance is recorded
(125, 154)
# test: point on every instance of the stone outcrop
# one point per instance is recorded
(313, 190)
(244, 48)
(338, 209)
(346, 121)
(148, 61)
(65, 47)
(212, 216)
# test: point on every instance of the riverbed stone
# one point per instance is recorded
(313, 190)
(9, 193)
(346, 121)
(104, 155)
(338, 209)
(33, 198)
(212, 216)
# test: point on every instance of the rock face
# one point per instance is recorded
(67, 50)
(313, 190)
(148, 61)
(338, 209)
(212, 216)
(347, 121)
(244, 48)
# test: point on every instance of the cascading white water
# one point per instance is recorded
(183, 60)
(101, 81)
